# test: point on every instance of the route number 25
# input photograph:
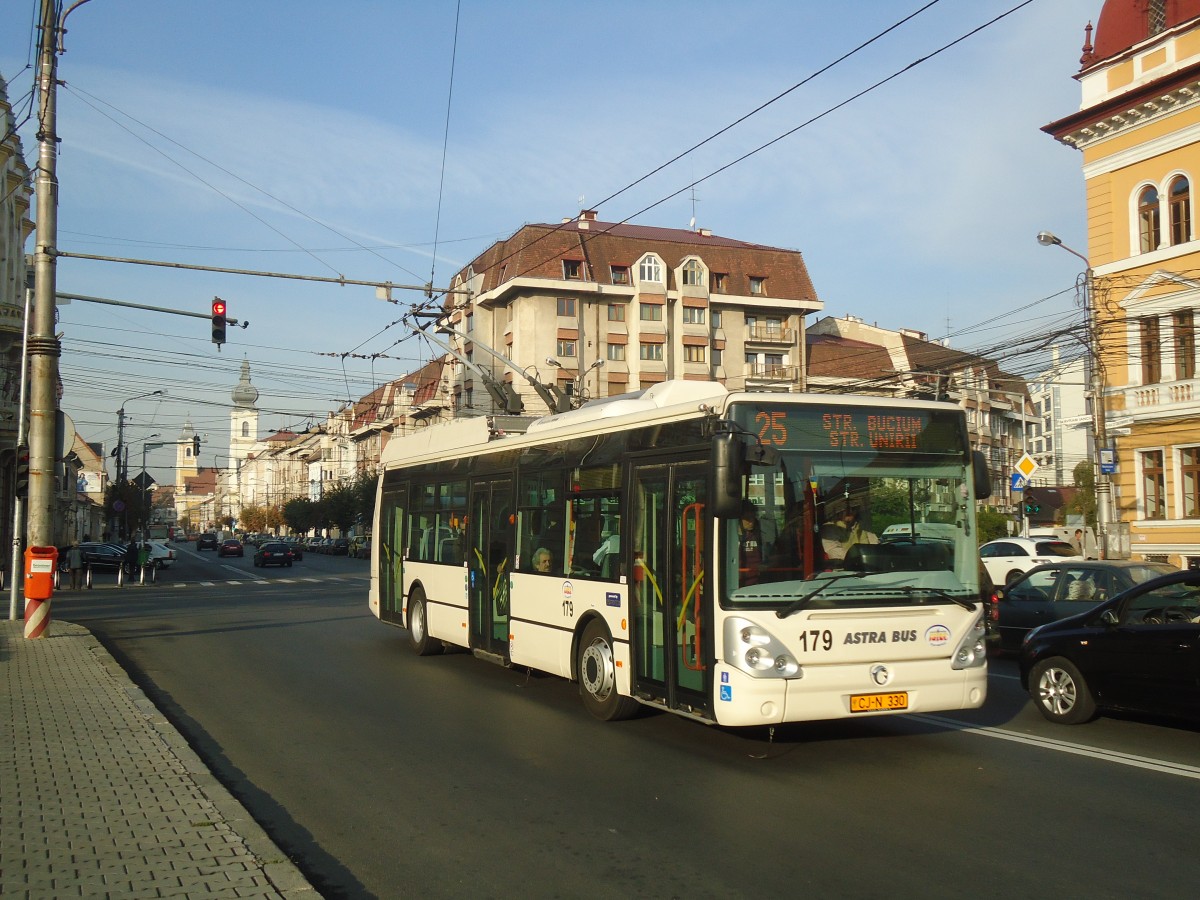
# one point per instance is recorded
(772, 427)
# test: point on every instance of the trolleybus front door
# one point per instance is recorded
(489, 532)
(671, 631)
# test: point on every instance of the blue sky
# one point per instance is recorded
(308, 137)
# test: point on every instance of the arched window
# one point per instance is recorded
(693, 272)
(1180, 204)
(245, 429)
(650, 270)
(1148, 218)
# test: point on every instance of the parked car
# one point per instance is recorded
(208, 541)
(231, 547)
(1009, 558)
(297, 548)
(362, 549)
(161, 555)
(102, 557)
(1057, 591)
(314, 544)
(339, 547)
(1138, 651)
(273, 553)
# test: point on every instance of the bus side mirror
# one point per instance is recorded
(729, 459)
(983, 478)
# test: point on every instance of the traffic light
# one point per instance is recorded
(1032, 507)
(22, 485)
(218, 321)
(196, 445)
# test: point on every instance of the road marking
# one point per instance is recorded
(1114, 756)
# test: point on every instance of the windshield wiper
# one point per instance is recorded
(938, 592)
(800, 602)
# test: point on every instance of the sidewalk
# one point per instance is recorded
(100, 795)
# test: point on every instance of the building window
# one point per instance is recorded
(619, 274)
(693, 273)
(245, 429)
(774, 363)
(650, 351)
(1180, 206)
(716, 356)
(566, 348)
(1184, 325)
(1151, 360)
(1148, 218)
(572, 269)
(757, 285)
(616, 312)
(1154, 485)
(650, 312)
(566, 306)
(693, 315)
(719, 281)
(616, 352)
(650, 270)
(469, 397)
(693, 354)
(1189, 474)
(716, 318)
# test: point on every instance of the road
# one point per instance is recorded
(387, 775)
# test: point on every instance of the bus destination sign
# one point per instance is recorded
(853, 428)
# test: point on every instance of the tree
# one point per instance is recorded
(300, 515)
(990, 525)
(1084, 501)
(253, 518)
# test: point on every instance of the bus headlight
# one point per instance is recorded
(972, 649)
(755, 650)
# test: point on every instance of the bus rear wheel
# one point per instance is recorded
(418, 626)
(597, 670)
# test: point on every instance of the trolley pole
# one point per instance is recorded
(44, 348)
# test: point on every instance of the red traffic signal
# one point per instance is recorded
(218, 321)
(22, 480)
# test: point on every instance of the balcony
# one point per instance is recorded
(1167, 398)
(772, 373)
(770, 334)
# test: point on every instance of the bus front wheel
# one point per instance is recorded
(418, 626)
(598, 676)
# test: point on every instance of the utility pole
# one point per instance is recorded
(44, 348)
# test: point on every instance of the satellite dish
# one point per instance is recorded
(581, 199)
(692, 223)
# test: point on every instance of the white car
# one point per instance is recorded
(161, 555)
(1010, 558)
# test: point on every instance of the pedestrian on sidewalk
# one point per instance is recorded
(75, 564)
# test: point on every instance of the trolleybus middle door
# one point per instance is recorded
(671, 631)
(489, 533)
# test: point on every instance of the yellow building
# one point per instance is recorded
(1138, 128)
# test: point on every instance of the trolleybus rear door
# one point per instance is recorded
(390, 541)
(671, 632)
(490, 535)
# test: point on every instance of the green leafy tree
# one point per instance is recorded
(300, 515)
(1084, 501)
(990, 525)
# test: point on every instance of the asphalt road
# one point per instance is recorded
(387, 775)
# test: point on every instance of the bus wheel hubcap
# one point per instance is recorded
(598, 672)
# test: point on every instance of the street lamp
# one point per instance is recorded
(122, 471)
(146, 487)
(1104, 514)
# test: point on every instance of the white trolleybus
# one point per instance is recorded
(711, 553)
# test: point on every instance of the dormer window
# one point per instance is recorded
(650, 270)
(572, 269)
(758, 285)
(620, 274)
(693, 273)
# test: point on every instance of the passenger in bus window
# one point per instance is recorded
(750, 546)
(551, 535)
(543, 560)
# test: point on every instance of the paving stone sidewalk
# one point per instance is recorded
(101, 797)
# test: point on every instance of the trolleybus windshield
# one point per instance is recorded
(883, 493)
